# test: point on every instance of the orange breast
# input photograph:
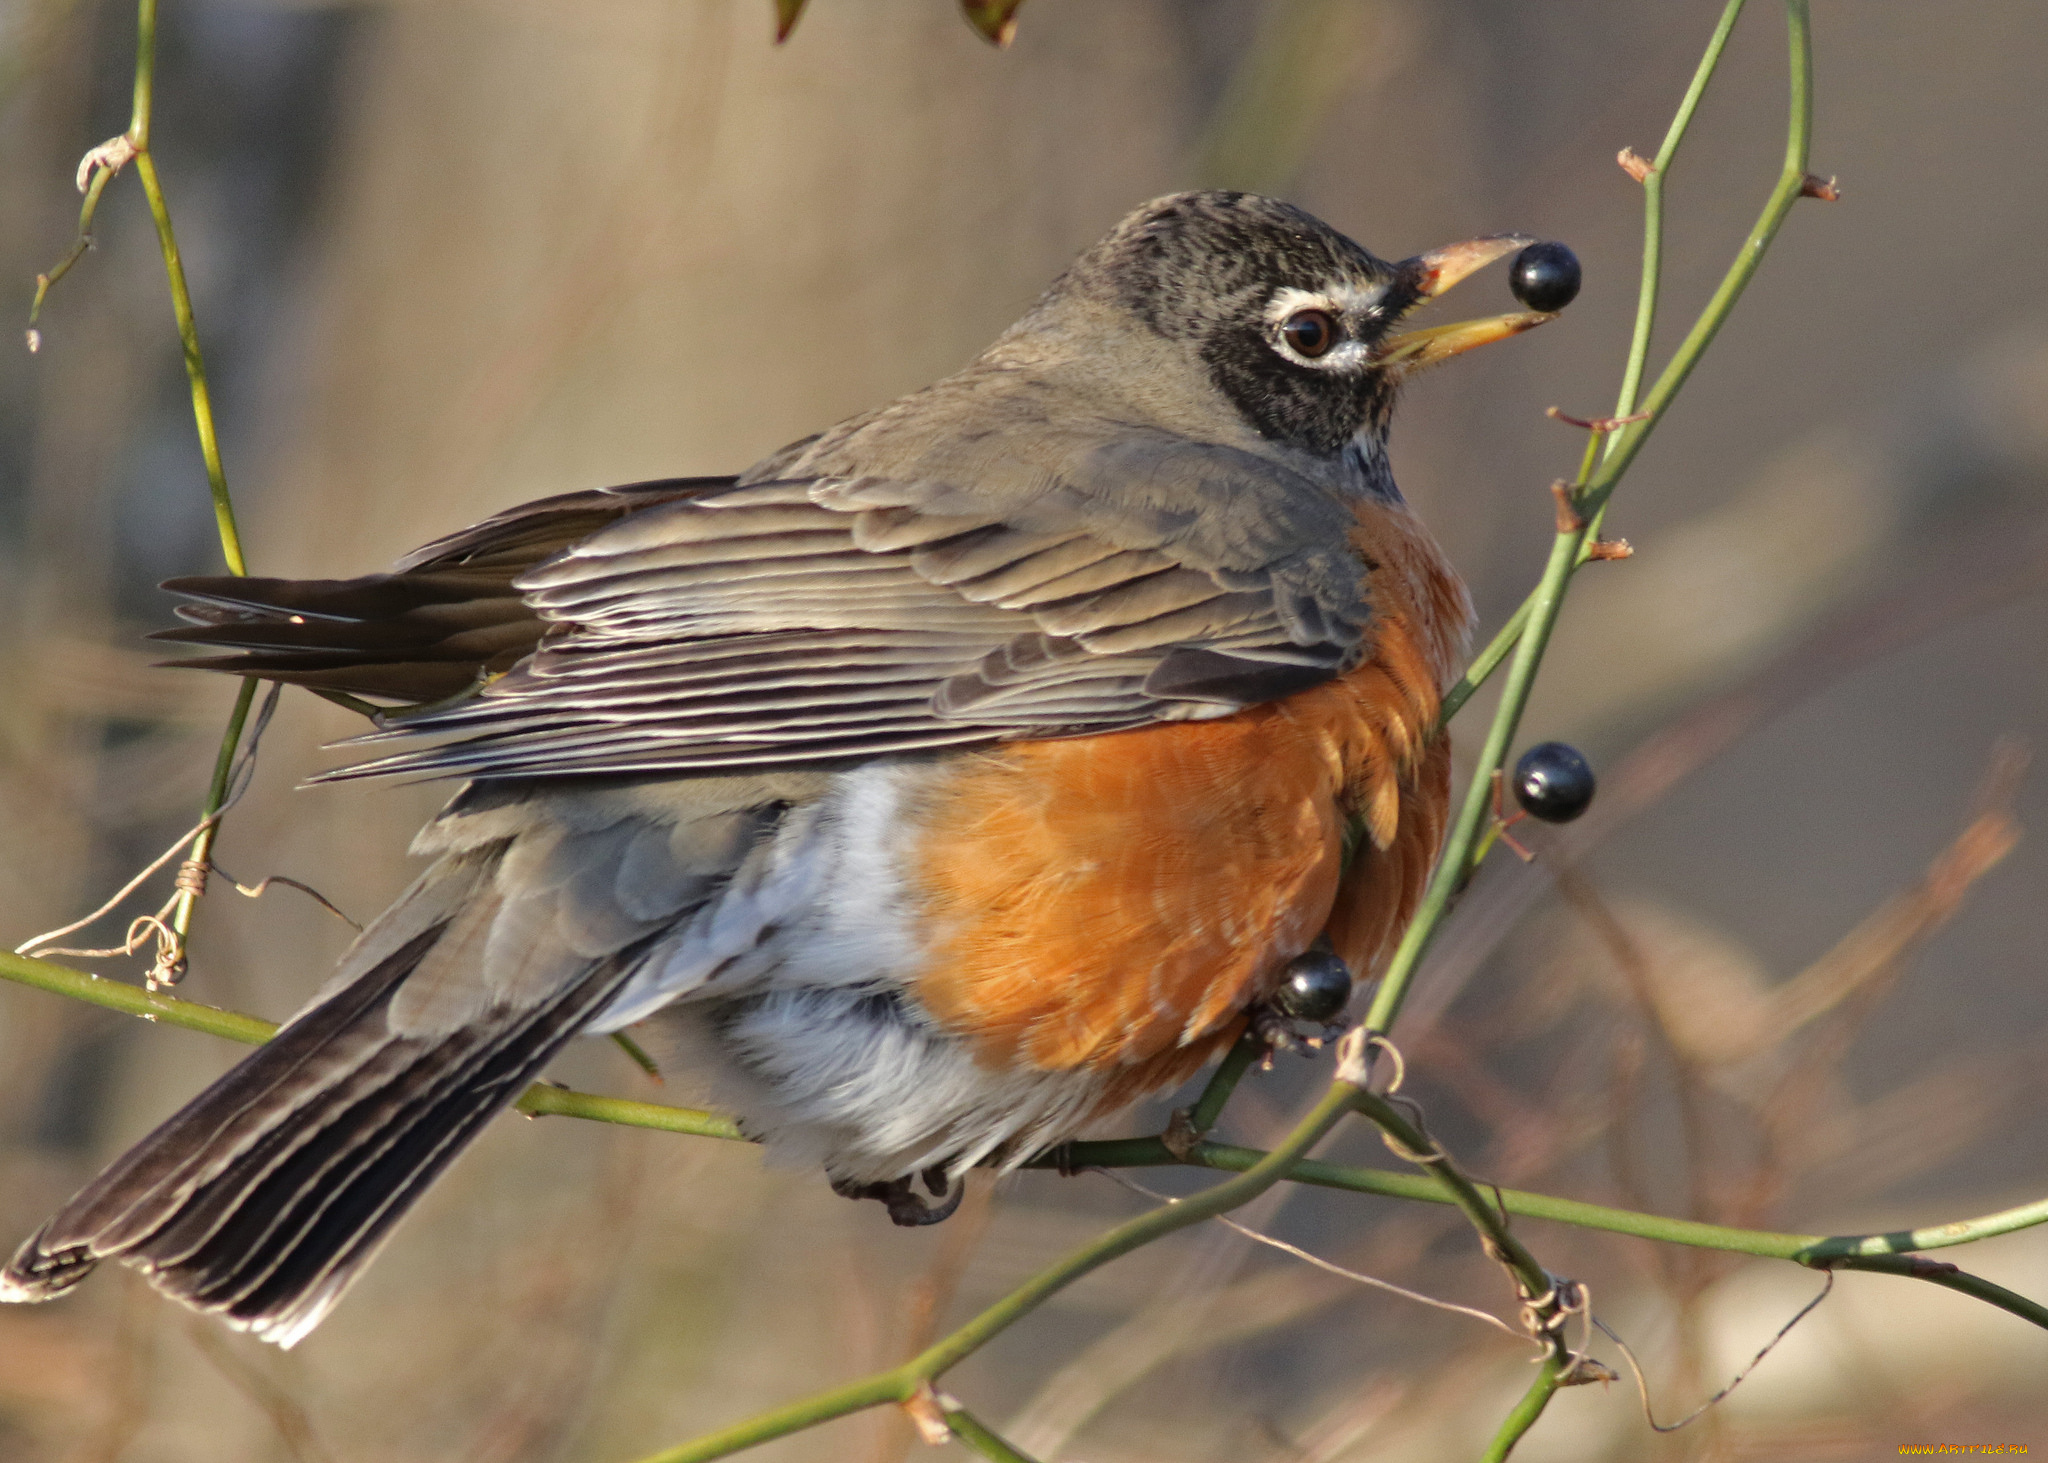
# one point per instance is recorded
(1117, 901)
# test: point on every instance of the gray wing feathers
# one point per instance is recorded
(795, 622)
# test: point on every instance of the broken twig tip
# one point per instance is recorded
(1635, 164)
(1568, 519)
(928, 1415)
(994, 20)
(1827, 190)
(1595, 424)
(114, 154)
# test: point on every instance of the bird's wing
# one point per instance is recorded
(796, 622)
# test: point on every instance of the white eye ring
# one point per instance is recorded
(1337, 305)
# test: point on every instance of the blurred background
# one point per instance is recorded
(451, 254)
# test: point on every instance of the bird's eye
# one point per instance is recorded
(1309, 332)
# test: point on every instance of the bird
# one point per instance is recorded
(946, 782)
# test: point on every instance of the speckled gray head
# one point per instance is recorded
(1293, 322)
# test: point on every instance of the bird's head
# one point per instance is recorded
(1296, 326)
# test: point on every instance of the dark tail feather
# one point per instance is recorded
(264, 1197)
(447, 617)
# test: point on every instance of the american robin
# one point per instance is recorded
(953, 777)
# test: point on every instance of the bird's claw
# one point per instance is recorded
(1282, 1033)
(906, 1206)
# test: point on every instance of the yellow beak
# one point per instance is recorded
(1411, 351)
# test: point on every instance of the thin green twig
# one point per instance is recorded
(546, 1100)
(96, 184)
(900, 1384)
(1240, 1059)
(1951, 1278)
(1487, 1214)
(793, 1417)
(1590, 499)
(1608, 455)
(172, 968)
(1653, 214)
(1488, 660)
(181, 294)
(973, 1433)
(1523, 1417)
(100, 167)
(209, 450)
(1484, 664)
(541, 1100)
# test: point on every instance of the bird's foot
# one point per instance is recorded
(1283, 1033)
(906, 1206)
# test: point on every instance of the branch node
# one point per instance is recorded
(1825, 189)
(1355, 1051)
(1180, 1135)
(114, 154)
(928, 1415)
(170, 964)
(1610, 548)
(1568, 519)
(1635, 164)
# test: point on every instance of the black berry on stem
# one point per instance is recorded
(1554, 782)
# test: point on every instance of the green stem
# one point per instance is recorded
(972, 1433)
(131, 1000)
(1950, 1278)
(1547, 1300)
(1486, 1213)
(145, 74)
(209, 815)
(1454, 863)
(1653, 214)
(1488, 660)
(1625, 443)
(1484, 664)
(543, 1100)
(1518, 1422)
(1622, 445)
(793, 1417)
(1933, 1237)
(86, 212)
(540, 1100)
(1240, 1059)
(1848, 1251)
(901, 1383)
(209, 446)
(1342, 1098)
(195, 362)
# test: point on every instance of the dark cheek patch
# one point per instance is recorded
(1318, 411)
